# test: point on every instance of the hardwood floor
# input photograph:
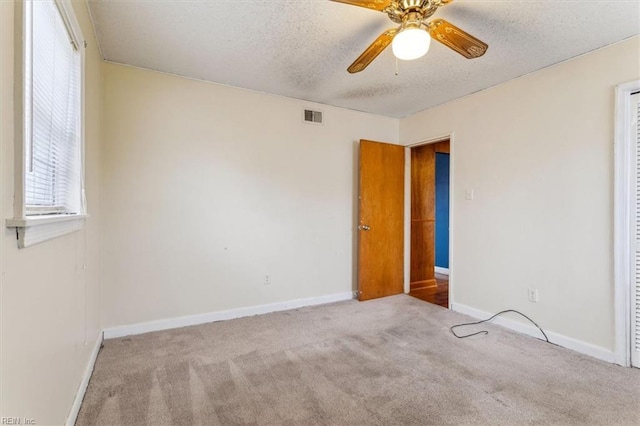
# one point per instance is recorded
(438, 295)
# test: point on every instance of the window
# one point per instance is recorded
(53, 166)
(50, 188)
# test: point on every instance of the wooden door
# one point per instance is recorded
(381, 220)
(423, 217)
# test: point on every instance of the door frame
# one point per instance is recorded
(407, 210)
(622, 228)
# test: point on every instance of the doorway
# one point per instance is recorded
(627, 224)
(429, 230)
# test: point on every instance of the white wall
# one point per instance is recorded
(210, 188)
(538, 152)
(50, 306)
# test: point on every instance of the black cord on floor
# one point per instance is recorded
(489, 319)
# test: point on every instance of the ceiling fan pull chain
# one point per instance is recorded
(397, 72)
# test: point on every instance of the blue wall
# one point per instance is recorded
(442, 210)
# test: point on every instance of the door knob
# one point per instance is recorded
(364, 227)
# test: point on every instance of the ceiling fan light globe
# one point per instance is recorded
(411, 43)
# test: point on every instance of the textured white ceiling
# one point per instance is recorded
(301, 49)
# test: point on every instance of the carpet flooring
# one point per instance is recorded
(389, 361)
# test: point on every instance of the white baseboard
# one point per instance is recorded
(443, 271)
(166, 324)
(82, 389)
(531, 330)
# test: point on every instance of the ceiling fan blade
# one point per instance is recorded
(372, 51)
(370, 4)
(456, 39)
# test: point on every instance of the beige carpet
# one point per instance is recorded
(390, 361)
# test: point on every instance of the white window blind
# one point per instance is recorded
(635, 297)
(53, 169)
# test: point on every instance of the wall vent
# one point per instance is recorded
(313, 116)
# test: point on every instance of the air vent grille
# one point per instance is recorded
(313, 116)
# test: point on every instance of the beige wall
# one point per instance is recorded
(210, 188)
(538, 152)
(50, 306)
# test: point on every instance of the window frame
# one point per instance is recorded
(33, 229)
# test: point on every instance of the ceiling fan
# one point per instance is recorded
(412, 39)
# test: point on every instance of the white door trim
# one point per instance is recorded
(622, 247)
(407, 210)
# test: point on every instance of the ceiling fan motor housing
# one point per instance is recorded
(411, 4)
(403, 10)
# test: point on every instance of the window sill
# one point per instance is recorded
(37, 229)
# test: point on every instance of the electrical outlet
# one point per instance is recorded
(267, 280)
(533, 294)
